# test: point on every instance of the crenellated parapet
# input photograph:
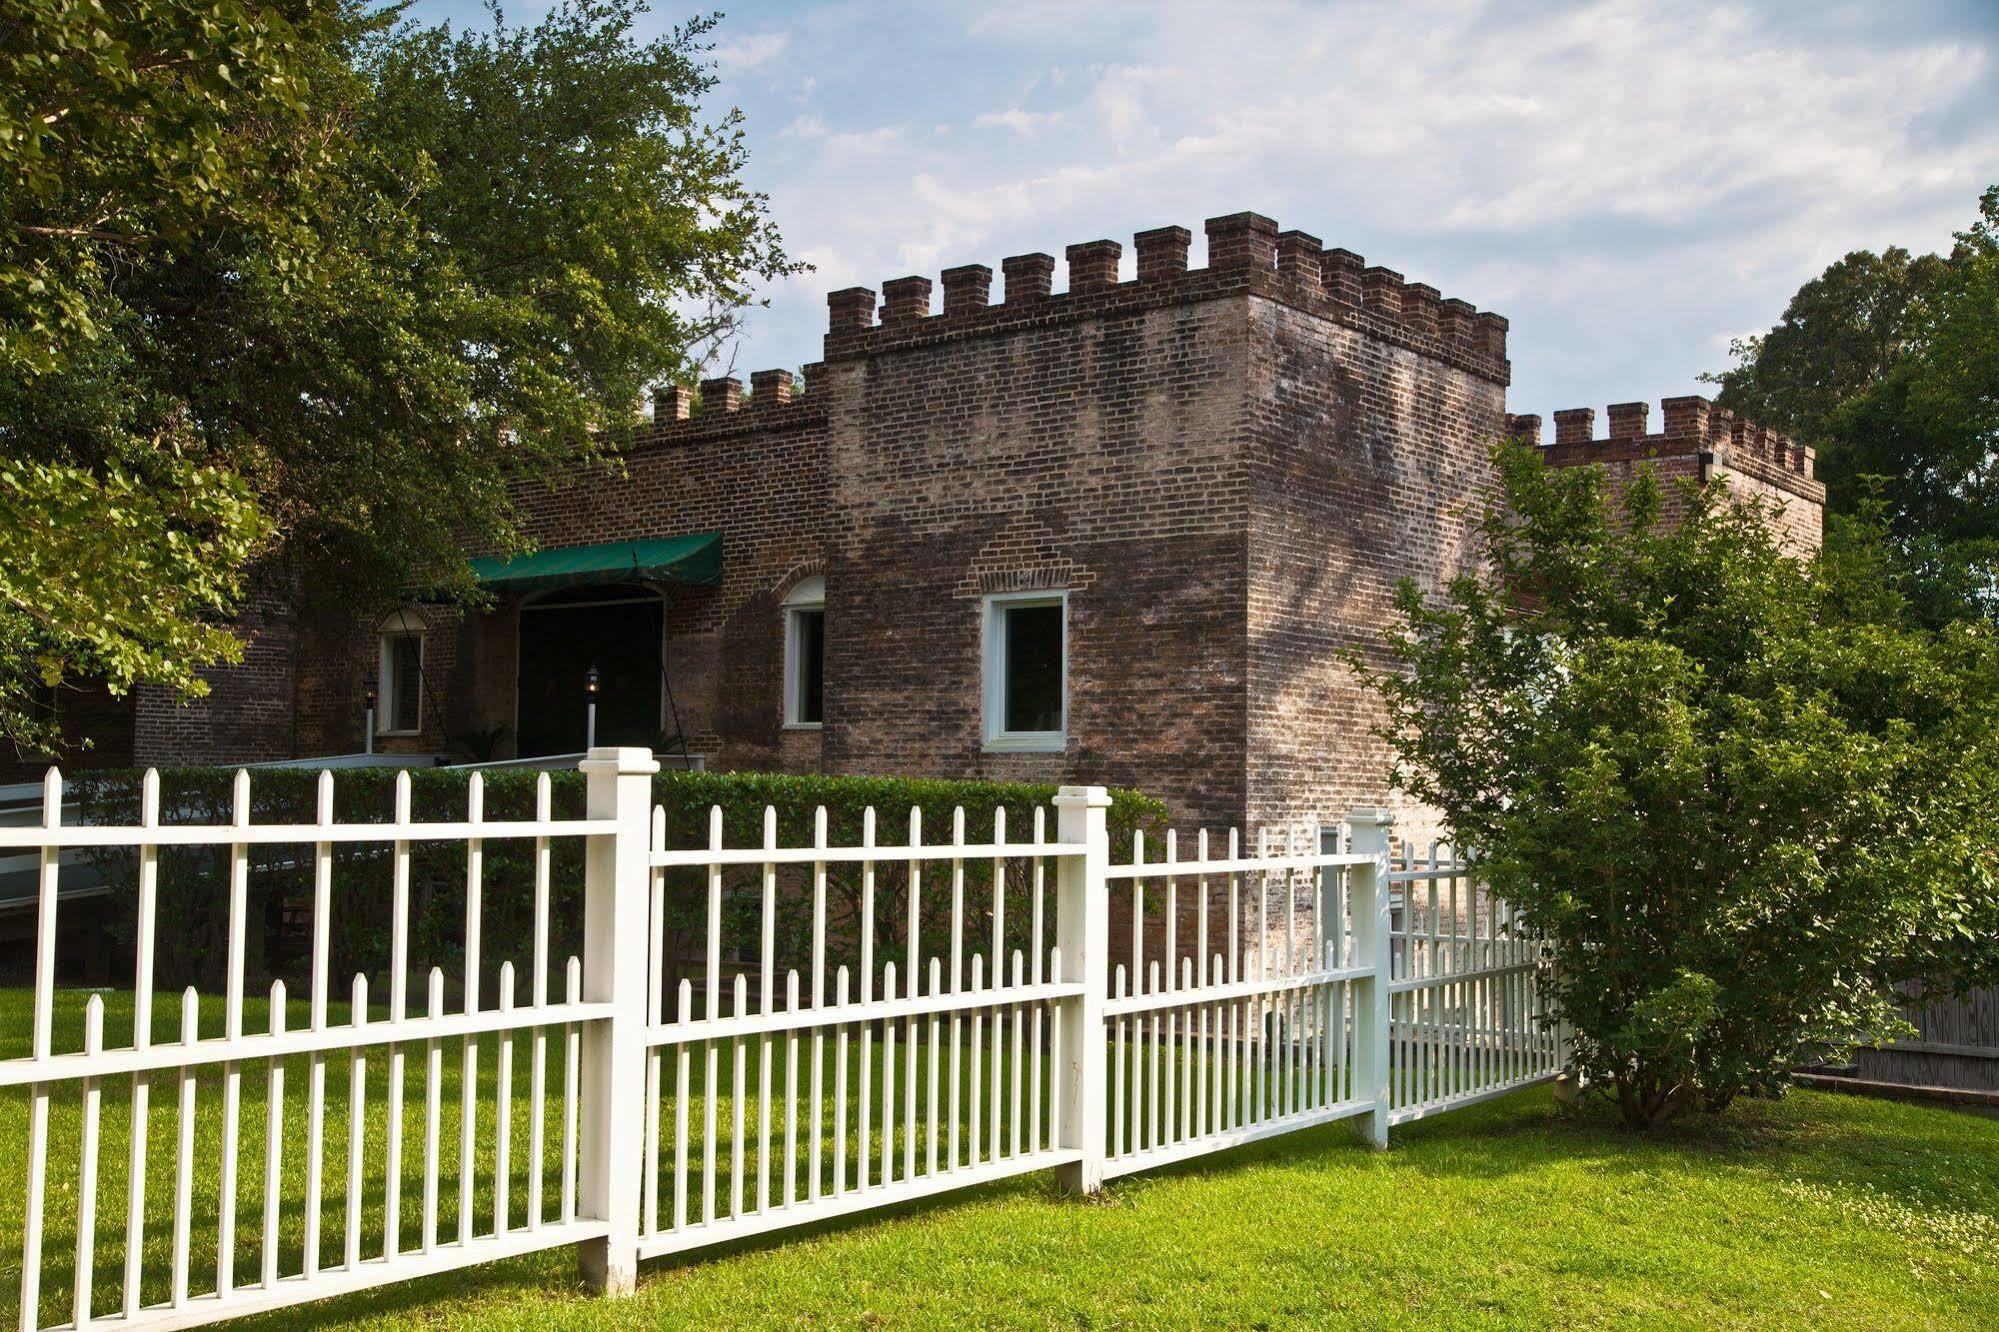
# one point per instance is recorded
(1692, 427)
(775, 402)
(1247, 254)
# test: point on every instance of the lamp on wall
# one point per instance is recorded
(368, 698)
(591, 682)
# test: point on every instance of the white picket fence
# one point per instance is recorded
(997, 1025)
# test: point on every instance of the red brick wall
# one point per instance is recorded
(247, 715)
(1701, 443)
(1093, 452)
(757, 475)
(1368, 459)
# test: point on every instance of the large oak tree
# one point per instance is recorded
(301, 286)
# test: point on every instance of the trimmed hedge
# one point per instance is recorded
(193, 903)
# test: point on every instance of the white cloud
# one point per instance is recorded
(1015, 119)
(1621, 179)
(740, 54)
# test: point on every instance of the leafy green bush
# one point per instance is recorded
(1737, 815)
(193, 903)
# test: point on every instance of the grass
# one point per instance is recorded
(1819, 1210)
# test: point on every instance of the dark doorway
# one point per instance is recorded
(617, 629)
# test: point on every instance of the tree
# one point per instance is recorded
(1839, 334)
(1890, 365)
(125, 140)
(1922, 441)
(302, 287)
(1736, 814)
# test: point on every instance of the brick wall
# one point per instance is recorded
(247, 714)
(1368, 458)
(755, 471)
(1080, 443)
(1701, 443)
(1226, 469)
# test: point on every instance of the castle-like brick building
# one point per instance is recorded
(1127, 533)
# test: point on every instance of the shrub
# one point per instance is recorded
(193, 908)
(1736, 817)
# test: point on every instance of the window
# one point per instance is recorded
(805, 655)
(1027, 671)
(402, 676)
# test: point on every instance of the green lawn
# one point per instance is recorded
(1819, 1210)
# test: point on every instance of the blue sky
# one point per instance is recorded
(1631, 183)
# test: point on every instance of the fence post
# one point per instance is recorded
(1368, 891)
(611, 1093)
(1083, 932)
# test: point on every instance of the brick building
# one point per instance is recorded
(1124, 534)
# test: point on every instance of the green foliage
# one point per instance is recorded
(194, 951)
(297, 279)
(1840, 333)
(1890, 365)
(115, 575)
(131, 137)
(1736, 814)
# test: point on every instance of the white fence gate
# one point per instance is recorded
(1071, 1013)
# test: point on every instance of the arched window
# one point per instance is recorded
(805, 655)
(402, 675)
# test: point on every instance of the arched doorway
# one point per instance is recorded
(617, 628)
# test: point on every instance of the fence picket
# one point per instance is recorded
(433, 1108)
(817, 1078)
(274, 1138)
(682, 1060)
(571, 1069)
(930, 1105)
(767, 989)
(840, 1091)
(538, 1071)
(322, 926)
(655, 987)
(86, 1175)
(739, 1054)
(142, 1038)
(399, 963)
(503, 1114)
(357, 1095)
(232, 1016)
(468, 1077)
(790, 1090)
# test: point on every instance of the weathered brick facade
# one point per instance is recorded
(1225, 469)
(1699, 442)
(248, 713)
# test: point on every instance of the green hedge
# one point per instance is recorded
(193, 902)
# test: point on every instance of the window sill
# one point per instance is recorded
(804, 726)
(1049, 743)
(398, 735)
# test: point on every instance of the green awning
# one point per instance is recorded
(693, 559)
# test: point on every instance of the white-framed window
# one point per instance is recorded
(805, 655)
(401, 711)
(1027, 671)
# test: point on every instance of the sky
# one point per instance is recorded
(1632, 183)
